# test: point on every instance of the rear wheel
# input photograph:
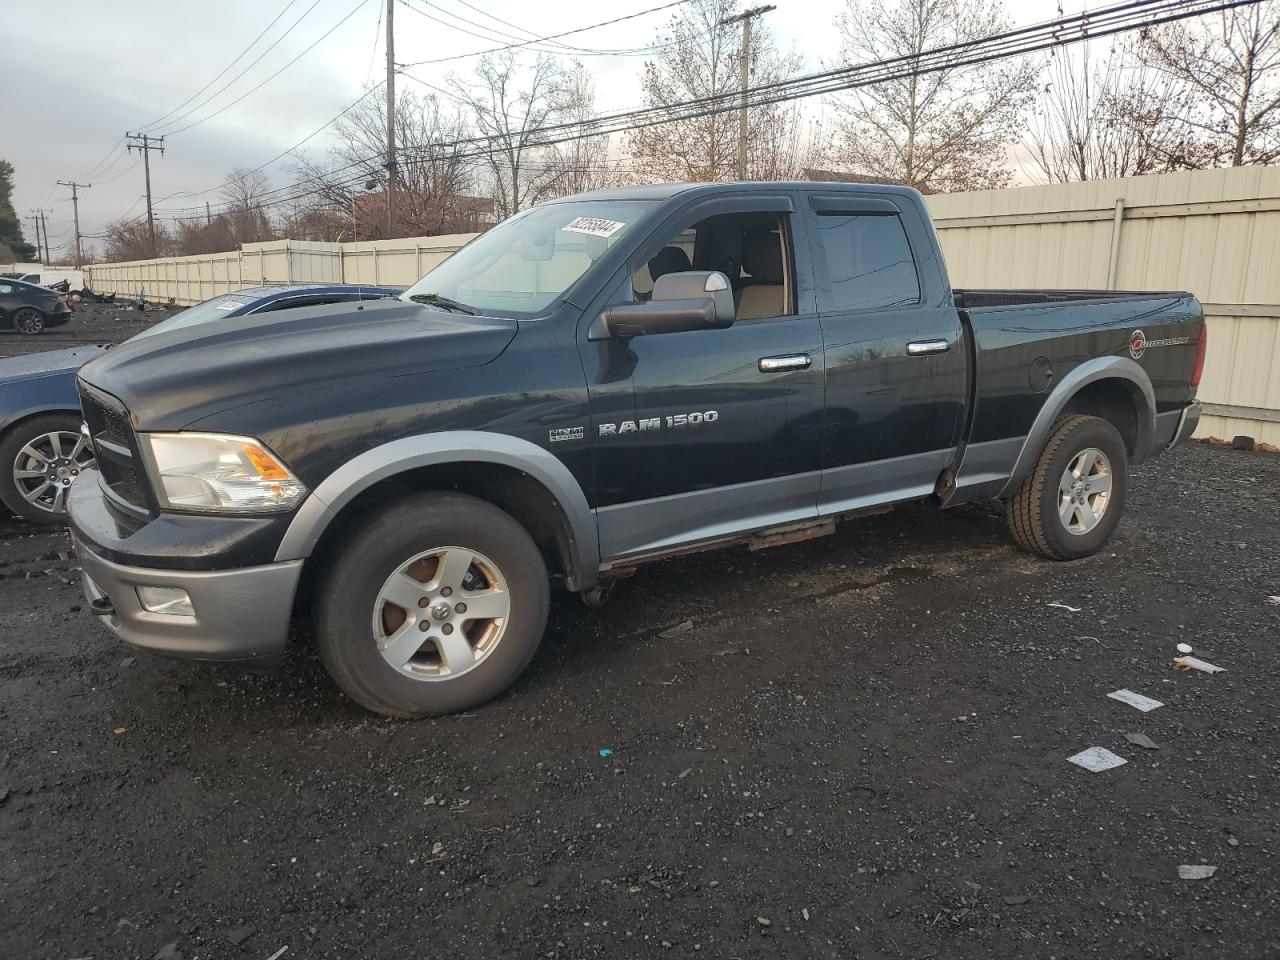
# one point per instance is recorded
(432, 605)
(39, 460)
(28, 320)
(1068, 506)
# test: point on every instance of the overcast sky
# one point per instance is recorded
(78, 73)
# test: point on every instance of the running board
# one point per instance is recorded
(795, 534)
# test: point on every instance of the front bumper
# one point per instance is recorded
(240, 614)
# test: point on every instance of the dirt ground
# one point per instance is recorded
(852, 747)
(91, 323)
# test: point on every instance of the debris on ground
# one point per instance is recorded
(606, 751)
(1136, 700)
(1096, 759)
(1195, 663)
(1142, 740)
(1018, 899)
(1186, 648)
(278, 954)
(119, 730)
(678, 629)
(1197, 871)
(1273, 601)
(1063, 606)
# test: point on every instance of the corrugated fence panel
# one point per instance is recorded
(1215, 233)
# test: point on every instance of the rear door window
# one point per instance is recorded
(868, 259)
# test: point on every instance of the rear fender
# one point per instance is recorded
(1121, 369)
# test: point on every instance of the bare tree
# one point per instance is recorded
(946, 130)
(512, 104)
(582, 163)
(242, 194)
(131, 240)
(1230, 65)
(701, 58)
(435, 185)
(1117, 118)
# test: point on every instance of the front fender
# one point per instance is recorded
(450, 446)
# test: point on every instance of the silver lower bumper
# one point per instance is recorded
(238, 614)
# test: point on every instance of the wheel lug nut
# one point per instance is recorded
(461, 608)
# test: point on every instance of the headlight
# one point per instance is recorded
(218, 473)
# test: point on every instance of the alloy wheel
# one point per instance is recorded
(1084, 492)
(46, 466)
(441, 613)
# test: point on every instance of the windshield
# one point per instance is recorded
(524, 264)
(214, 309)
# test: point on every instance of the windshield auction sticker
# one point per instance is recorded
(593, 226)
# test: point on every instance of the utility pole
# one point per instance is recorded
(746, 17)
(75, 209)
(144, 144)
(391, 120)
(35, 222)
(208, 214)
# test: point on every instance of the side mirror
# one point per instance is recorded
(691, 300)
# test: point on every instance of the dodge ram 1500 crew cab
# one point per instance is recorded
(598, 381)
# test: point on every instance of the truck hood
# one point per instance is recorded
(170, 380)
(47, 362)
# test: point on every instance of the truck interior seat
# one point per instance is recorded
(669, 259)
(764, 293)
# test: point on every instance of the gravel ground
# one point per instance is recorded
(91, 323)
(852, 747)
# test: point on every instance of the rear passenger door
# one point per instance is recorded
(895, 358)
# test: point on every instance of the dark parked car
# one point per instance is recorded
(41, 450)
(598, 382)
(30, 308)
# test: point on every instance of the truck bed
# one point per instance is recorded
(974, 299)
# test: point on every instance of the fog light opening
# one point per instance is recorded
(172, 601)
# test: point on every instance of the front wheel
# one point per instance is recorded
(1070, 503)
(432, 605)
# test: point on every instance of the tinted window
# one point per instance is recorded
(868, 260)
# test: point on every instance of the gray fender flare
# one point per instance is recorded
(1100, 368)
(453, 446)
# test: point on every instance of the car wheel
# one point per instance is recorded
(28, 320)
(1071, 501)
(40, 458)
(432, 605)
(77, 297)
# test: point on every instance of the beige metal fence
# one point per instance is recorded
(1215, 233)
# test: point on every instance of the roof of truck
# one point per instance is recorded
(665, 191)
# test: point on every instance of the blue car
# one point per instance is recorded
(41, 449)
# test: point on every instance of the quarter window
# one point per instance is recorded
(869, 261)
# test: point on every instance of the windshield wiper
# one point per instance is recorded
(436, 300)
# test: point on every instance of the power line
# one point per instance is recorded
(255, 89)
(1021, 41)
(276, 19)
(552, 36)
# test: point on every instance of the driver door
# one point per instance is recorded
(724, 429)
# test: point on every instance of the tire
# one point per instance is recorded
(414, 549)
(33, 477)
(28, 320)
(1066, 517)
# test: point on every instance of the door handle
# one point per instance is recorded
(922, 348)
(794, 361)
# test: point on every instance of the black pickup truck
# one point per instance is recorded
(596, 382)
